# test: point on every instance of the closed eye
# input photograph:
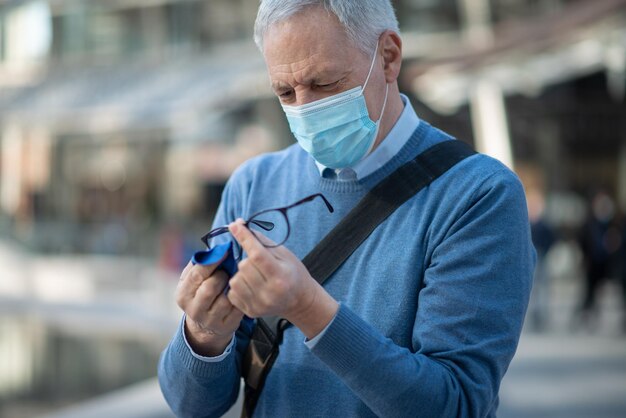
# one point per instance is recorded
(329, 86)
(285, 94)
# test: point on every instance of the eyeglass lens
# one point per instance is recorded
(270, 226)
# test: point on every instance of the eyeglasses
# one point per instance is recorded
(271, 223)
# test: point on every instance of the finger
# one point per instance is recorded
(189, 282)
(253, 275)
(233, 318)
(241, 293)
(186, 270)
(192, 277)
(223, 311)
(206, 295)
(257, 253)
(221, 307)
(210, 289)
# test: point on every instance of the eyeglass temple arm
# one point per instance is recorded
(309, 198)
(328, 205)
(213, 233)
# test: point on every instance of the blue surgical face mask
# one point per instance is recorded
(337, 131)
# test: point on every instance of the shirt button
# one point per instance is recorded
(329, 173)
(346, 174)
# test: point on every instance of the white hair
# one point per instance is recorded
(363, 20)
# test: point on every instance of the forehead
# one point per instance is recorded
(310, 41)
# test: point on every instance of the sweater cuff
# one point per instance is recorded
(345, 342)
(205, 358)
(200, 367)
(313, 341)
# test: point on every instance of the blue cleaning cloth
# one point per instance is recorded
(215, 254)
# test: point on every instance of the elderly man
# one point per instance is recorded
(424, 317)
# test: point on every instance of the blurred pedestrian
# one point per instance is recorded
(622, 261)
(424, 317)
(543, 238)
(171, 248)
(599, 241)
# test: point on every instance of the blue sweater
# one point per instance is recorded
(431, 305)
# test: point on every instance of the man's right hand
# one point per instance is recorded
(211, 319)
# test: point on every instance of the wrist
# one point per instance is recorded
(315, 311)
(205, 343)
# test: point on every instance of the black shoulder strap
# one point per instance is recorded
(335, 248)
(379, 203)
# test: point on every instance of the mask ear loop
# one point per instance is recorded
(382, 111)
(371, 68)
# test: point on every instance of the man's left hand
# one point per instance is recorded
(274, 282)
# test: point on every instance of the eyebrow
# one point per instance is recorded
(322, 75)
(280, 86)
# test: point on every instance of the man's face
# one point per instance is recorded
(310, 57)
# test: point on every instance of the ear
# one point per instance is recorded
(391, 46)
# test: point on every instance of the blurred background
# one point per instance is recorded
(121, 120)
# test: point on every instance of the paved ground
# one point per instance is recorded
(553, 376)
(564, 372)
(572, 370)
(566, 376)
(569, 370)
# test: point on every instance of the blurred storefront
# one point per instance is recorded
(120, 116)
(129, 115)
(540, 85)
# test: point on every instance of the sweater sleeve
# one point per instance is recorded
(193, 387)
(470, 312)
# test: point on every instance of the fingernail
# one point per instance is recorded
(235, 227)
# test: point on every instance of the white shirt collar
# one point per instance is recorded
(387, 149)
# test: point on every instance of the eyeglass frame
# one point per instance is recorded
(268, 226)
